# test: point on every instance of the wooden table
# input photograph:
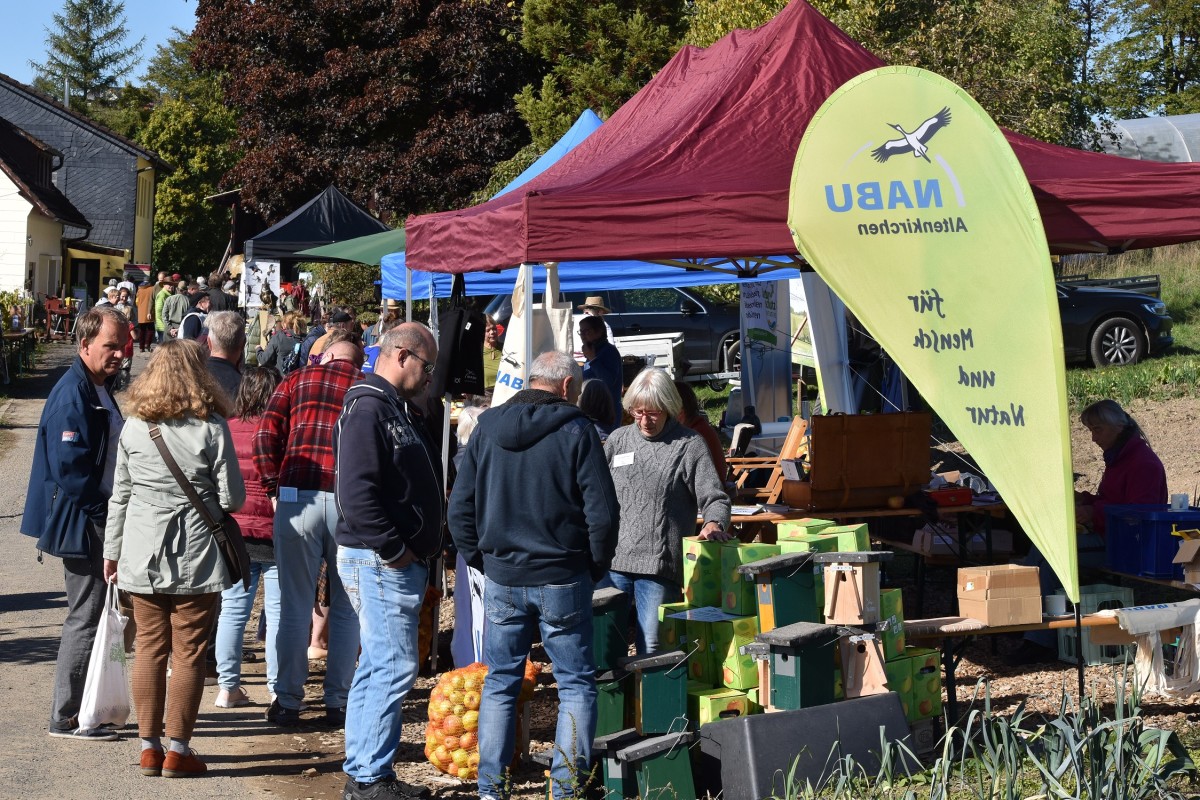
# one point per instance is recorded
(956, 633)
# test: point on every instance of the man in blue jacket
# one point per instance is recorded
(534, 506)
(390, 504)
(603, 363)
(71, 480)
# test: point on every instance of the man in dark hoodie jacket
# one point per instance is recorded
(534, 506)
(390, 503)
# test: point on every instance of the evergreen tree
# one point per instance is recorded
(88, 47)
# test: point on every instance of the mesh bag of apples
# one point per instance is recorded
(452, 735)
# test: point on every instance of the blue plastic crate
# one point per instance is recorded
(1139, 540)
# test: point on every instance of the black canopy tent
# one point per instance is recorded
(327, 218)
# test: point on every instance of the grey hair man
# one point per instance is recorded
(541, 545)
(74, 462)
(227, 345)
(390, 510)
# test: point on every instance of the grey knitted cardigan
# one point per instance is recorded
(670, 479)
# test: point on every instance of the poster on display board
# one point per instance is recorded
(907, 199)
(766, 352)
(255, 275)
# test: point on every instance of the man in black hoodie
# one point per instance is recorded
(534, 507)
(390, 504)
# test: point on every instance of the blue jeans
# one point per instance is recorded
(303, 538)
(388, 602)
(648, 593)
(564, 615)
(236, 603)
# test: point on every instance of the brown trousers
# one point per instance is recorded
(174, 625)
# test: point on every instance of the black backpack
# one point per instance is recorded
(290, 359)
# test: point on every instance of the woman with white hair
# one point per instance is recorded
(664, 479)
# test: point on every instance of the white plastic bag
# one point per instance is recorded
(551, 331)
(106, 690)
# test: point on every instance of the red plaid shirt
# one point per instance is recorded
(293, 445)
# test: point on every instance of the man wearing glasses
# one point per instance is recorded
(391, 503)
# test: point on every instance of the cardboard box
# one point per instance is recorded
(737, 593)
(1189, 557)
(1005, 594)
(891, 623)
(801, 528)
(753, 706)
(701, 659)
(737, 671)
(927, 683)
(671, 631)
(701, 572)
(711, 705)
(900, 680)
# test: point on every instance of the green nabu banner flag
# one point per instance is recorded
(908, 201)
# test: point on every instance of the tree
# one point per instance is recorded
(1150, 63)
(595, 56)
(403, 104)
(1019, 59)
(193, 130)
(88, 47)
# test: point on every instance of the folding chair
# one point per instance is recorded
(795, 445)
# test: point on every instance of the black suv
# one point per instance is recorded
(711, 338)
(1110, 327)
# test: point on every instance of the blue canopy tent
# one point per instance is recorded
(577, 276)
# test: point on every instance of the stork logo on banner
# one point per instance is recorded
(912, 142)
(920, 192)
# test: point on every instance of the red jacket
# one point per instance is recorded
(1134, 475)
(257, 516)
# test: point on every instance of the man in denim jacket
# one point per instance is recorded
(534, 506)
(69, 485)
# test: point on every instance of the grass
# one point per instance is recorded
(1173, 374)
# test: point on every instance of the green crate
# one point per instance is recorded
(671, 631)
(738, 593)
(1093, 598)
(701, 572)
(891, 623)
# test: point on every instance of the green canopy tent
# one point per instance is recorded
(368, 249)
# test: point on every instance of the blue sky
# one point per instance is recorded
(23, 34)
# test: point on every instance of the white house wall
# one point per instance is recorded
(14, 218)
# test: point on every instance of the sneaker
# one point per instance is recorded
(85, 734)
(282, 716)
(232, 698)
(386, 789)
(152, 762)
(178, 765)
(210, 675)
(335, 717)
(271, 699)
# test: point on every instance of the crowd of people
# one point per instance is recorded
(325, 454)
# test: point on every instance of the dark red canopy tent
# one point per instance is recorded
(697, 165)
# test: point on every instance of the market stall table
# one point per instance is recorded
(956, 633)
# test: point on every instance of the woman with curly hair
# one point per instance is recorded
(158, 547)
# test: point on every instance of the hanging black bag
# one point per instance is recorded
(460, 346)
